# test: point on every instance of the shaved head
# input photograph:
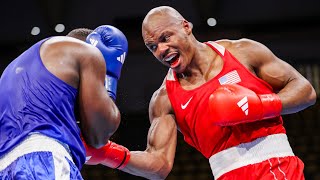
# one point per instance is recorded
(160, 17)
(165, 12)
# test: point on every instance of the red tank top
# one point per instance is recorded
(192, 114)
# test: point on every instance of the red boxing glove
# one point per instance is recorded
(232, 104)
(112, 155)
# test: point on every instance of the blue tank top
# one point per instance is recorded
(32, 99)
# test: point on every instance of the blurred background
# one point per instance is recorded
(290, 28)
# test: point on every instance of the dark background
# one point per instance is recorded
(290, 28)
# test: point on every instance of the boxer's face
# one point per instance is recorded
(168, 40)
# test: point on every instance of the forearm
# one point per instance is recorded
(139, 163)
(147, 165)
(296, 96)
(99, 127)
(157, 160)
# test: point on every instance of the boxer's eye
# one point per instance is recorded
(152, 47)
(165, 38)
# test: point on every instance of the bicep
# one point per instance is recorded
(98, 114)
(92, 72)
(277, 73)
(269, 67)
(294, 90)
(162, 135)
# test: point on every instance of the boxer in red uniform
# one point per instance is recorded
(226, 97)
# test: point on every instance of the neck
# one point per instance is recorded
(201, 63)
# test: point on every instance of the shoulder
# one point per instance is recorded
(239, 44)
(72, 48)
(68, 52)
(62, 40)
(160, 104)
(160, 95)
(63, 43)
(249, 46)
(248, 51)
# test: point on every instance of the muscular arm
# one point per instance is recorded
(99, 115)
(157, 160)
(295, 92)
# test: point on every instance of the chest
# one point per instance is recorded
(191, 105)
(215, 69)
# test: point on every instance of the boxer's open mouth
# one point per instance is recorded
(173, 60)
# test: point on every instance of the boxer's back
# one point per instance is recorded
(37, 101)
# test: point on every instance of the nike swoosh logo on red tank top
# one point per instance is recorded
(184, 106)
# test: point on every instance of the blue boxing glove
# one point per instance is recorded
(113, 45)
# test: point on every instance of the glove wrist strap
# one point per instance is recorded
(111, 86)
(116, 156)
(271, 105)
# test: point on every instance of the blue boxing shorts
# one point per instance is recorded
(39, 157)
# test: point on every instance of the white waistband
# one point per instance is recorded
(34, 143)
(259, 150)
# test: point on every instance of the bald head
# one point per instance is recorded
(162, 16)
(163, 12)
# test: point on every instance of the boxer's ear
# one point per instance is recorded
(187, 26)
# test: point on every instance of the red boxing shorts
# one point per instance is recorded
(266, 158)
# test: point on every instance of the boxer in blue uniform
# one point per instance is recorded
(46, 90)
